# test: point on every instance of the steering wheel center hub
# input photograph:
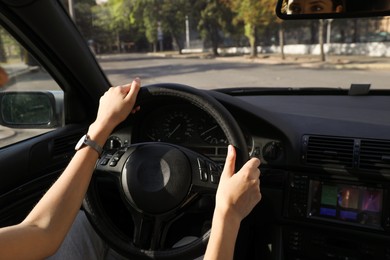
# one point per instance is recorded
(156, 178)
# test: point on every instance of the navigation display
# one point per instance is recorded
(346, 203)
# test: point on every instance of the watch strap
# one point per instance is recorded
(85, 140)
(94, 145)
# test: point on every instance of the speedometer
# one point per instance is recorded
(170, 125)
(177, 127)
(211, 132)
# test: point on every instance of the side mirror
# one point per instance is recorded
(31, 109)
(325, 9)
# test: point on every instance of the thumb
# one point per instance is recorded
(133, 89)
(228, 169)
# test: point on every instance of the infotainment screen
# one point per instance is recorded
(354, 204)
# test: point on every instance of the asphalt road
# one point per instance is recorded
(239, 72)
(228, 72)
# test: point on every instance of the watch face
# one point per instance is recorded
(80, 142)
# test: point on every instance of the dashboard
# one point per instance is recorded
(191, 127)
(330, 192)
(325, 164)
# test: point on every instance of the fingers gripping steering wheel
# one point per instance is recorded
(157, 181)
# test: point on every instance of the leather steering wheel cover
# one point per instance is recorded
(97, 215)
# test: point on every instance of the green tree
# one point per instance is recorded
(214, 19)
(3, 55)
(173, 16)
(142, 16)
(102, 34)
(82, 10)
(255, 14)
(84, 17)
(117, 22)
(148, 12)
(120, 23)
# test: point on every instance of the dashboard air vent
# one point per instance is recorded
(328, 151)
(375, 155)
(64, 146)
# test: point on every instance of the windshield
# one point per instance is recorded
(214, 44)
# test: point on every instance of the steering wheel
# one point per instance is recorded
(158, 181)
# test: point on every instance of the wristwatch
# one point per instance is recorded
(86, 141)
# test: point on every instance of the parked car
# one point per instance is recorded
(325, 151)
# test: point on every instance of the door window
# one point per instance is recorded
(30, 99)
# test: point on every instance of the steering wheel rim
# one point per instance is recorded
(96, 214)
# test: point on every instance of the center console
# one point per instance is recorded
(336, 218)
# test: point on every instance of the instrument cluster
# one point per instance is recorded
(181, 125)
(185, 125)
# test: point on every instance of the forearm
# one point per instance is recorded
(55, 212)
(43, 230)
(223, 236)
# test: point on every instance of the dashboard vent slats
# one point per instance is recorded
(350, 153)
(330, 151)
(375, 155)
(64, 146)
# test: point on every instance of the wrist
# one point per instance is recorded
(99, 133)
(224, 232)
(228, 216)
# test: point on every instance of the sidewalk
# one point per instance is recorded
(6, 132)
(16, 69)
(307, 61)
(331, 62)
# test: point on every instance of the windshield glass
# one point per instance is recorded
(215, 44)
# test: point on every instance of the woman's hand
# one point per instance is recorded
(117, 103)
(115, 106)
(238, 193)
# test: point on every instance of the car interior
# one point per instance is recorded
(325, 153)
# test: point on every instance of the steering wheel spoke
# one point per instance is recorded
(111, 163)
(205, 172)
(150, 231)
(143, 230)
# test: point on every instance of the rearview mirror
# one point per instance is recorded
(324, 9)
(29, 110)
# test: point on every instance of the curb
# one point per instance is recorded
(349, 62)
(13, 73)
(6, 133)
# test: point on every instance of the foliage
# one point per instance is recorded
(149, 10)
(214, 20)
(124, 25)
(119, 21)
(173, 16)
(255, 14)
(9, 47)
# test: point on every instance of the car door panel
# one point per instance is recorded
(30, 167)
